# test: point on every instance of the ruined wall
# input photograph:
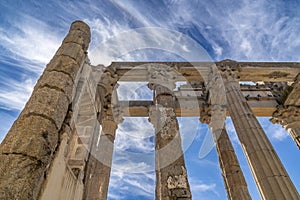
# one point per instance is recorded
(66, 173)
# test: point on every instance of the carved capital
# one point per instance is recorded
(109, 127)
(108, 80)
(286, 115)
(280, 90)
(229, 70)
(163, 75)
(205, 114)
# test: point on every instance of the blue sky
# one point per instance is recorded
(242, 30)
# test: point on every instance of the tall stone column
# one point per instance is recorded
(171, 177)
(289, 118)
(233, 177)
(100, 164)
(270, 175)
(100, 160)
(32, 141)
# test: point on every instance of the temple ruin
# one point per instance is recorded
(61, 145)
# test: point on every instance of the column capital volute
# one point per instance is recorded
(229, 69)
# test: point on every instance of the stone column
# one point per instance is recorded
(270, 175)
(171, 177)
(28, 148)
(289, 118)
(100, 160)
(232, 174)
(100, 164)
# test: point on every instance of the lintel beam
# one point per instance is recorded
(195, 71)
(185, 108)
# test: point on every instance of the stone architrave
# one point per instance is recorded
(232, 174)
(270, 175)
(31, 143)
(171, 177)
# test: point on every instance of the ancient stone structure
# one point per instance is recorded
(61, 145)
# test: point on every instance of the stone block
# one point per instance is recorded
(64, 64)
(58, 80)
(73, 50)
(33, 136)
(77, 36)
(20, 184)
(49, 103)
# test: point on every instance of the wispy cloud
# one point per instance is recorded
(14, 94)
(30, 39)
(275, 131)
(125, 183)
(203, 189)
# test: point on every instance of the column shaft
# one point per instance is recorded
(30, 144)
(171, 177)
(270, 175)
(234, 180)
(100, 161)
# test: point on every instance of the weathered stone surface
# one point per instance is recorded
(73, 50)
(171, 177)
(30, 144)
(57, 80)
(293, 97)
(99, 162)
(33, 136)
(51, 103)
(100, 159)
(263, 160)
(233, 177)
(20, 184)
(289, 118)
(64, 64)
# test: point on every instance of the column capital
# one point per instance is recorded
(286, 115)
(108, 80)
(163, 75)
(229, 70)
(205, 114)
(280, 90)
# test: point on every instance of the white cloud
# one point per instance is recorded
(6, 120)
(280, 134)
(126, 183)
(275, 131)
(14, 94)
(202, 188)
(32, 40)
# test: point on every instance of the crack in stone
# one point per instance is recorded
(60, 71)
(43, 116)
(46, 85)
(52, 87)
(24, 155)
